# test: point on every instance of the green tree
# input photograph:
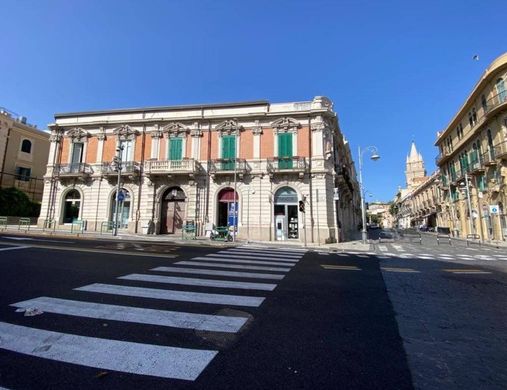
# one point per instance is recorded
(16, 203)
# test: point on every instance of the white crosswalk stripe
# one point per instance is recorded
(124, 356)
(200, 282)
(173, 295)
(147, 359)
(233, 266)
(242, 261)
(252, 257)
(135, 314)
(382, 248)
(195, 271)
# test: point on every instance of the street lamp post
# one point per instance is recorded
(374, 156)
(470, 216)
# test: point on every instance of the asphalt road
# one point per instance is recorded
(253, 318)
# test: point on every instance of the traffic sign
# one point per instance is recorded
(493, 208)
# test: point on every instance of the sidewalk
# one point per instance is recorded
(354, 246)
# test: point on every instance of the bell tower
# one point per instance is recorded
(415, 168)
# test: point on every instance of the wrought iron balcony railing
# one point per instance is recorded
(73, 169)
(226, 166)
(501, 150)
(127, 168)
(287, 164)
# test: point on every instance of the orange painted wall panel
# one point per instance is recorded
(139, 148)
(204, 146)
(303, 144)
(91, 151)
(267, 140)
(215, 139)
(246, 145)
(188, 143)
(65, 151)
(109, 149)
(164, 141)
(147, 147)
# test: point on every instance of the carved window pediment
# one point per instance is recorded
(228, 127)
(175, 129)
(125, 132)
(286, 124)
(77, 134)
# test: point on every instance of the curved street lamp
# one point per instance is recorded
(374, 156)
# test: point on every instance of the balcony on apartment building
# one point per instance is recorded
(73, 170)
(224, 166)
(186, 166)
(495, 104)
(284, 165)
(128, 168)
(501, 150)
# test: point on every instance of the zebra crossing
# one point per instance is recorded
(214, 279)
(399, 252)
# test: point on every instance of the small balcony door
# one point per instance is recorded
(175, 149)
(77, 156)
(228, 152)
(285, 151)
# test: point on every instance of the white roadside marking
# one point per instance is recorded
(382, 248)
(274, 250)
(402, 270)
(173, 295)
(266, 254)
(14, 248)
(246, 257)
(398, 248)
(135, 314)
(227, 260)
(200, 282)
(426, 257)
(195, 271)
(233, 266)
(123, 356)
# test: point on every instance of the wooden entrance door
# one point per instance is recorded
(173, 213)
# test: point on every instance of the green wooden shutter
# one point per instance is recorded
(228, 151)
(285, 151)
(175, 149)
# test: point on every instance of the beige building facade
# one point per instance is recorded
(473, 160)
(279, 171)
(24, 152)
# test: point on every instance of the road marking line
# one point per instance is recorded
(101, 251)
(340, 267)
(383, 248)
(241, 261)
(241, 257)
(197, 271)
(426, 257)
(362, 256)
(123, 356)
(405, 270)
(271, 249)
(15, 247)
(173, 295)
(138, 315)
(257, 254)
(466, 271)
(233, 266)
(200, 282)
(398, 248)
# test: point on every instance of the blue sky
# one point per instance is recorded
(397, 71)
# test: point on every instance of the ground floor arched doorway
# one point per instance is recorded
(172, 211)
(227, 210)
(286, 214)
(71, 206)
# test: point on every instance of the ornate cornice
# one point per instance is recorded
(228, 127)
(196, 133)
(77, 134)
(175, 129)
(257, 129)
(286, 124)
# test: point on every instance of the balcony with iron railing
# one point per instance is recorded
(496, 103)
(223, 166)
(127, 168)
(73, 170)
(501, 150)
(293, 164)
(186, 166)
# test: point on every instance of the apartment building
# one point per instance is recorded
(24, 152)
(473, 159)
(279, 171)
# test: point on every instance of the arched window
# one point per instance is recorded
(26, 146)
(71, 207)
(286, 195)
(500, 88)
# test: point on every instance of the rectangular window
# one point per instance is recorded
(126, 153)
(481, 183)
(228, 152)
(175, 149)
(23, 174)
(285, 151)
